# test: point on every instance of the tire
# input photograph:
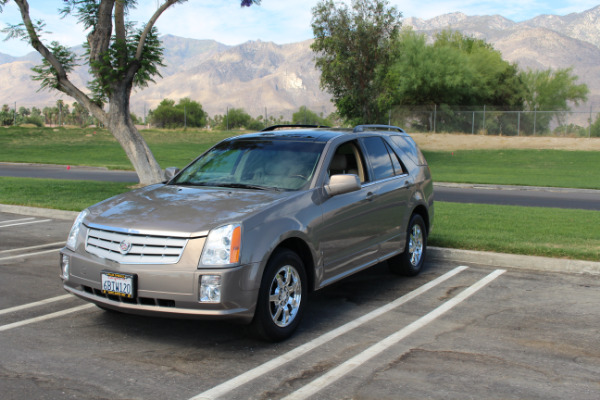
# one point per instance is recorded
(281, 297)
(410, 262)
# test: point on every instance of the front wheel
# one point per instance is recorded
(281, 297)
(410, 262)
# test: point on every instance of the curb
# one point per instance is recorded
(514, 188)
(515, 261)
(39, 212)
(503, 260)
(58, 166)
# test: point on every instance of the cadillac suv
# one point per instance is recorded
(253, 224)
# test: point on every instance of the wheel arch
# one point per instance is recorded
(422, 211)
(301, 248)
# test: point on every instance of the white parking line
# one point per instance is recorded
(28, 254)
(36, 304)
(26, 223)
(39, 246)
(356, 361)
(45, 317)
(16, 220)
(226, 387)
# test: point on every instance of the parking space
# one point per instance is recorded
(454, 331)
(29, 258)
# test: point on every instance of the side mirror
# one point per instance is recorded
(170, 172)
(339, 184)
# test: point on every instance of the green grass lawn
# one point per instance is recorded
(68, 195)
(553, 168)
(97, 147)
(550, 232)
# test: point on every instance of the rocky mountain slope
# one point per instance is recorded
(266, 78)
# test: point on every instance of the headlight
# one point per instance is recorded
(72, 238)
(222, 246)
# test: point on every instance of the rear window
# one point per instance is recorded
(409, 148)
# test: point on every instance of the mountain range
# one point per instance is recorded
(267, 78)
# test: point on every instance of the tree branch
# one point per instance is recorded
(120, 33)
(99, 38)
(150, 24)
(64, 84)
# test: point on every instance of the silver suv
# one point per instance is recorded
(253, 224)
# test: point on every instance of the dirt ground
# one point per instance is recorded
(445, 141)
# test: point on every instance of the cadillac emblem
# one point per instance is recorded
(124, 247)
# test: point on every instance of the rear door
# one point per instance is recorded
(389, 191)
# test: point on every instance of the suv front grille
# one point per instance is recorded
(129, 248)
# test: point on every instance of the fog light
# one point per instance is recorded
(65, 261)
(210, 289)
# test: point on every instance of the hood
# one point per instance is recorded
(179, 210)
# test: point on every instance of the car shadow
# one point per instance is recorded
(326, 309)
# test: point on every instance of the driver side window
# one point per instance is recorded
(347, 159)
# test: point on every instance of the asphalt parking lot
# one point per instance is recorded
(457, 331)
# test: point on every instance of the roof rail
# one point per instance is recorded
(363, 128)
(276, 127)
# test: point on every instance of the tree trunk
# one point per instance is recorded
(136, 149)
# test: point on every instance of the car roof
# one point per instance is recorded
(315, 133)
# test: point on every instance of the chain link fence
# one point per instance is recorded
(496, 121)
(478, 120)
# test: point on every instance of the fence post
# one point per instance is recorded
(534, 118)
(590, 125)
(518, 123)
(483, 126)
(473, 124)
(434, 116)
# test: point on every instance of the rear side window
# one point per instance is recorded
(377, 153)
(410, 149)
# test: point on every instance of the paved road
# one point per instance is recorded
(519, 196)
(453, 332)
(481, 194)
(66, 172)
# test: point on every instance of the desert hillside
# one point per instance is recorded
(267, 78)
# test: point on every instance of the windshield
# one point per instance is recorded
(254, 164)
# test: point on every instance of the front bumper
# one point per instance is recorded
(165, 290)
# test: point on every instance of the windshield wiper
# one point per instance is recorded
(244, 186)
(227, 185)
(191, 184)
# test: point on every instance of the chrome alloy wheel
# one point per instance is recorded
(285, 294)
(415, 245)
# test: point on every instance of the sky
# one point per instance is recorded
(279, 21)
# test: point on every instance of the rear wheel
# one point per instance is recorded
(410, 262)
(281, 297)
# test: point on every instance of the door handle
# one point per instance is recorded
(370, 196)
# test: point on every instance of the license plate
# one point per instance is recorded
(118, 284)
